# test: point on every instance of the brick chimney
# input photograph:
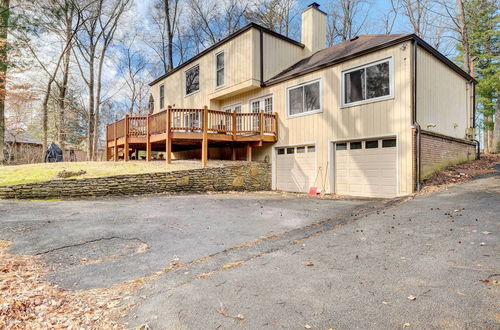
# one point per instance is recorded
(313, 29)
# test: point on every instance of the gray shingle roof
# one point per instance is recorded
(336, 54)
(21, 137)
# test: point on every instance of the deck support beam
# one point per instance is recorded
(125, 144)
(115, 149)
(233, 153)
(148, 140)
(168, 140)
(249, 152)
(204, 142)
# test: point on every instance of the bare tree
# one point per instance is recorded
(4, 14)
(132, 65)
(101, 19)
(346, 19)
(276, 15)
(390, 17)
(51, 22)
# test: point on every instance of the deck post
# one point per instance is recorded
(204, 143)
(148, 139)
(261, 124)
(115, 149)
(233, 153)
(276, 125)
(108, 149)
(234, 125)
(125, 144)
(168, 140)
(249, 152)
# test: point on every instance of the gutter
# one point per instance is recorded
(415, 124)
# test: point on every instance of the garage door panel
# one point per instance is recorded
(366, 172)
(295, 172)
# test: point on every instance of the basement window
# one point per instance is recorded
(193, 80)
(368, 83)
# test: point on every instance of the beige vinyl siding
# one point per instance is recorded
(238, 67)
(388, 117)
(278, 55)
(443, 97)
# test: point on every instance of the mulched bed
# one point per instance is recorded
(461, 173)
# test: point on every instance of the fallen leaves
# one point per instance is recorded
(223, 311)
(309, 263)
(412, 297)
(406, 325)
(27, 301)
(232, 265)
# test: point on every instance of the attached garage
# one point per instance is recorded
(366, 167)
(295, 168)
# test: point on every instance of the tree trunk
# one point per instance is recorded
(45, 115)
(170, 35)
(496, 130)
(465, 36)
(91, 118)
(61, 129)
(4, 29)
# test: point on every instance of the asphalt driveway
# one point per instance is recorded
(268, 261)
(97, 243)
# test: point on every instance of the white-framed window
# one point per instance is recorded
(219, 69)
(162, 96)
(192, 80)
(304, 99)
(368, 83)
(265, 103)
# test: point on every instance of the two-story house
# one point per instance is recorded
(370, 116)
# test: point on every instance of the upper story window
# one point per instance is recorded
(368, 83)
(304, 99)
(162, 97)
(219, 67)
(193, 80)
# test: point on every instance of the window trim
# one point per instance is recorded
(161, 98)
(199, 80)
(307, 113)
(389, 59)
(223, 68)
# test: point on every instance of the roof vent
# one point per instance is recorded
(354, 38)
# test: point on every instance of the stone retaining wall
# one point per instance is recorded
(251, 177)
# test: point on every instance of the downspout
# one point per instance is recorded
(478, 156)
(261, 50)
(416, 125)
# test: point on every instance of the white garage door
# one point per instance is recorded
(366, 168)
(295, 168)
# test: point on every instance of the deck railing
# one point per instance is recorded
(194, 120)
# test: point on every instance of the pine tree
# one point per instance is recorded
(483, 20)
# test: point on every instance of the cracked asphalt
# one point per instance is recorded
(100, 242)
(268, 261)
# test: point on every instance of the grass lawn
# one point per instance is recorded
(11, 175)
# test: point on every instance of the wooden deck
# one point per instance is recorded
(190, 127)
